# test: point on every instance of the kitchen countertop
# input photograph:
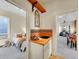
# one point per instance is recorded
(41, 41)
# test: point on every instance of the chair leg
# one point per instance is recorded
(71, 44)
(75, 45)
(67, 42)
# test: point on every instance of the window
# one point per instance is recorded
(4, 27)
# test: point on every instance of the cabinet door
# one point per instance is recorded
(36, 51)
(46, 51)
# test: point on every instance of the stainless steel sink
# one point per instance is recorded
(44, 37)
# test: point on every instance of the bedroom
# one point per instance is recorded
(12, 30)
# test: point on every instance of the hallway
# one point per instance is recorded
(65, 51)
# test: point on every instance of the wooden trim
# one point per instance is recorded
(37, 5)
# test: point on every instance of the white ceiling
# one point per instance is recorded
(20, 3)
(55, 6)
(67, 9)
(11, 8)
(52, 6)
(59, 6)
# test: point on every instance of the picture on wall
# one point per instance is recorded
(37, 19)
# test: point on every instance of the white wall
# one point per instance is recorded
(47, 21)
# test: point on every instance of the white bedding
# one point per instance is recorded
(2, 42)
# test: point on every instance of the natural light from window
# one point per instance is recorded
(4, 27)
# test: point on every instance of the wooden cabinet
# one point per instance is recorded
(38, 51)
(40, 43)
(46, 51)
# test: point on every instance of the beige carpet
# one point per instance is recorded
(11, 53)
(64, 50)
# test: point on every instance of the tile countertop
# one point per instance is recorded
(41, 41)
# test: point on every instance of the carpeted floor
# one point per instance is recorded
(64, 50)
(11, 53)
